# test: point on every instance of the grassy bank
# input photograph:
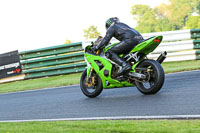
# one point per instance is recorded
(47, 82)
(171, 67)
(64, 80)
(104, 126)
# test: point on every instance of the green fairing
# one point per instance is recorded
(147, 46)
(144, 47)
(107, 66)
(109, 46)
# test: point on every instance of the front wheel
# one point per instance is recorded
(154, 77)
(91, 87)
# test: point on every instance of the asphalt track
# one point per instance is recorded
(180, 95)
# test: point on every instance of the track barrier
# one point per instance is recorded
(69, 58)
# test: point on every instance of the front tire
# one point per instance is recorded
(91, 91)
(155, 80)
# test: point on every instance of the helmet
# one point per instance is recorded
(110, 21)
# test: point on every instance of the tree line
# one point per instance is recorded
(176, 15)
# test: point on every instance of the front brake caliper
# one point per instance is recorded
(90, 81)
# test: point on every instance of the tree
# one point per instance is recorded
(166, 17)
(91, 32)
(145, 17)
(178, 11)
(67, 42)
(193, 22)
(149, 19)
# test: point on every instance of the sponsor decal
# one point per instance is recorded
(10, 64)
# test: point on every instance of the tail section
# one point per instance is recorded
(148, 45)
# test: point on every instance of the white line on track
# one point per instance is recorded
(113, 118)
(105, 118)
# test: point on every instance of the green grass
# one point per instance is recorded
(104, 126)
(64, 80)
(170, 67)
(54, 81)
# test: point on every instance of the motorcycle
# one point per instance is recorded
(101, 73)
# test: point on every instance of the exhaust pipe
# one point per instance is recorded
(162, 57)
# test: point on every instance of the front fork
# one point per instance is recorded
(91, 79)
(89, 71)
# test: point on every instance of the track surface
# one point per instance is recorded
(180, 95)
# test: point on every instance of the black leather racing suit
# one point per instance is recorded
(128, 38)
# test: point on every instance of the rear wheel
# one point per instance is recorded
(91, 87)
(154, 77)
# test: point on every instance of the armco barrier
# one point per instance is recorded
(178, 44)
(195, 34)
(69, 58)
(56, 60)
(197, 48)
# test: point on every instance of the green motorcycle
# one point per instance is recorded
(146, 74)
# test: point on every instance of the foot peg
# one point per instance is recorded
(124, 69)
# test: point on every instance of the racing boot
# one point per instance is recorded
(124, 69)
(120, 62)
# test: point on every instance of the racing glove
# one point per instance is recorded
(94, 48)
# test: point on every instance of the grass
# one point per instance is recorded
(64, 80)
(170, 67)
(104, 126)
(47, 82)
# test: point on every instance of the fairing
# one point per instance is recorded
(144, 47)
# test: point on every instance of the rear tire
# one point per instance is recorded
(96, 89)
(156, 77)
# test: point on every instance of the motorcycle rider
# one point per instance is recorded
(128, 38)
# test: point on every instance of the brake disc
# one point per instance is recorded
(91, 81)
